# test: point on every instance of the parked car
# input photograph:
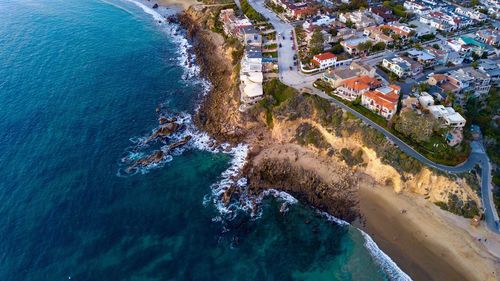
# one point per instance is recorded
(291, 68)
(294, 63)
(280, 45)
(291, 37)
(293, 47)
(294, 57)
(283, 37)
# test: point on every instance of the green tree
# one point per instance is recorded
(450, 98)
(380, 46)
(366, 46)
(316, 42)
(349, 24)
(435, 46)
(337, 48)
(416, 127)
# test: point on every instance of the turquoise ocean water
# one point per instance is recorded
(79, 84)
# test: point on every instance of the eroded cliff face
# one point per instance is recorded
(433, 186)
(326, 186)
(218, 114)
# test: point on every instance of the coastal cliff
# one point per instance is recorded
(318, 126)
(327, 158)
(218, 114)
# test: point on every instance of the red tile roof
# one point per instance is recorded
(389, 100)
(324, 56)
(361, 83)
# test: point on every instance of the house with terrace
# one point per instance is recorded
(444, 54)
(384, 13)
(423, 57)
(335, 77)
(415, 7)
(353, 88)
(471, 13)
(251, 76)
(444, 83)
(488, 36)
(377, 34)
(326, 60)
(351, 46)
(232, 25)
(361, 19)
(402, 66)
(402, 31)
(383, 100)
(492, 69)
(447, 116)
(471, 80)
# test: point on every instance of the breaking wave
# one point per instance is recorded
(231, 180)
(385, 262)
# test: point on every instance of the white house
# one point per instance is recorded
(325, 60)
(447, 116)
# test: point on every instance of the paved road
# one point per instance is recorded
(286, 52)
(296, 79)
(478, 156)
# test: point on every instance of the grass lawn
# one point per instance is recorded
(271, 54)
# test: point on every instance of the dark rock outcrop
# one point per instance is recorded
(164, 131)
(336, 198)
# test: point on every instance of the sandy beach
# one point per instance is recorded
(180, 3)
(426, 242)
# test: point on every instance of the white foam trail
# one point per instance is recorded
(148, 10)
(186, 57)
(387, 264)
(230, 177)
(333, 219)
(281, 195)
(381, 258)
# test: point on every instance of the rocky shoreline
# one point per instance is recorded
(218, 115)
(322, 173)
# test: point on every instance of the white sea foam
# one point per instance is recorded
(289, 199)
(147, 10)
(387, 264)
(231, 176)
(332, 218)
(185, 57)
(381, 258)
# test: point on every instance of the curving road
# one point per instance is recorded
(294, 78)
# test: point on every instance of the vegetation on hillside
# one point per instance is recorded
(485, 115)
(251, 13)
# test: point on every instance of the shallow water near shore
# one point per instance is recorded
(79, 81)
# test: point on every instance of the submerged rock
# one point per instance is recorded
(180, 143)
(155, 6)
(164, 131)
(154, 158)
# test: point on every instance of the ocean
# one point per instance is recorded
(80, 82)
